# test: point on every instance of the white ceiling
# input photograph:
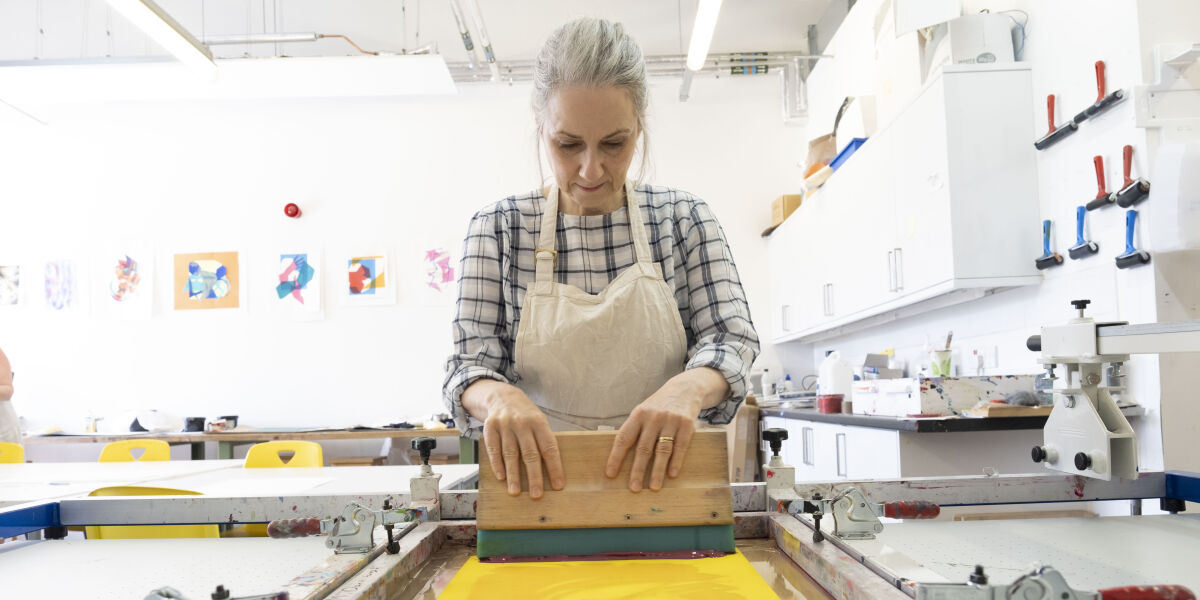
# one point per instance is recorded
(74, 29)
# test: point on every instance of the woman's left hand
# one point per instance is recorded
(661, 427)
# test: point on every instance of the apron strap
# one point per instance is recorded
(546, 256)
(637, 227)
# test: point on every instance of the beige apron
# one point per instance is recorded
(588, 360)
(10, 429)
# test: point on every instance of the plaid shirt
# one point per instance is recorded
(685, 240)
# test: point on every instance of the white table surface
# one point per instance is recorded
(364, 480)
(1091, 553)
(29, 482)
(127, 569)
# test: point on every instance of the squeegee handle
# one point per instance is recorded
(1130, 220)
(1099, 162)
(1046, 237)
(1101, 83)
(1147, 592)
(1079, 216)
(1050, 113)
(1128, 159)
(291, 528)
(916, 509)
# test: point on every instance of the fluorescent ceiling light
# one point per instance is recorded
(702, 32)
(160, 27)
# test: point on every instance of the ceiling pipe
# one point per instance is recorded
(484, 40)
(465, 33)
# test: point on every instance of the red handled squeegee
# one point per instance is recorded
(1103, 198)
(1135, 190)
(1103, 102)
(1056, 133)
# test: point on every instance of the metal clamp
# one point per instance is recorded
(353, 532)
(854, 518)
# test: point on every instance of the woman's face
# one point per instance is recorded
(590, 135)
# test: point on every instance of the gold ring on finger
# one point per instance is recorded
(666, 439)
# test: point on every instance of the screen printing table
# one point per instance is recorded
(902, 562)
(227, 440)
(28, 482)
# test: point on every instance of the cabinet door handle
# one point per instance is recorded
(806, 438)
(832, 301)
(825, 299)
(841, 454)
(899, 269)
(783, 317)
(891, 270)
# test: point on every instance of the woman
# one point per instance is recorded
(573, 315)
(10, 430)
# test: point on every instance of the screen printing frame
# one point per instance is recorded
(836, 566)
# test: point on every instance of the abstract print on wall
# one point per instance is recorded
(61, 285)
(124, 282)
(295, 280)
(10, 285)
(368, 281)
(206, 280)
(439, 272)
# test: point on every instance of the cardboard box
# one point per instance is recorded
(934, 395)
(743, 443)
(783, 207)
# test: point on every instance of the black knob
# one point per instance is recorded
(977, 577)
(1080, 304)
(775, 437)
(1083, 462)
(1034, 343)
(424, 446)
(221, 593)
(1038, 454)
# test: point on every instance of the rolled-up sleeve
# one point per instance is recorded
(480, 330)
(723, 334)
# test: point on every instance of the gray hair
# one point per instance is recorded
(591, 52)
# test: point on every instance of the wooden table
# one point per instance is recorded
(228, 439)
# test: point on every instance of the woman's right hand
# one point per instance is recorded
(516, 432)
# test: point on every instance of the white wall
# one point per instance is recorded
(401, 174)
(1064, 40)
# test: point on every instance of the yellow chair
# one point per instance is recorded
(11, 453)
(133, 532)
(266, 455)
(122, 451)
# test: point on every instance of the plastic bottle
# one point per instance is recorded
(786, 386)
(835, 376)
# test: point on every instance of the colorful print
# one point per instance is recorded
(439, 275)
(295, 275)
(10, 285)
(60, 284)
(366, 275)
(125, 279)
(206, 280)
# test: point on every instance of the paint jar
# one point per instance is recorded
(829, 404)
(939, 363)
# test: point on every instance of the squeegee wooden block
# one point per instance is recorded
(700, 495)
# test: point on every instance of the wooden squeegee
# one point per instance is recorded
(597, 515)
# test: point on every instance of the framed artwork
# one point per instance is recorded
(206, 280)
(368, 280)
(61, 285)
(294, 282)
(10, 285)
(123, 283)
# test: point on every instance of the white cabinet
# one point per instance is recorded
(941, 201)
